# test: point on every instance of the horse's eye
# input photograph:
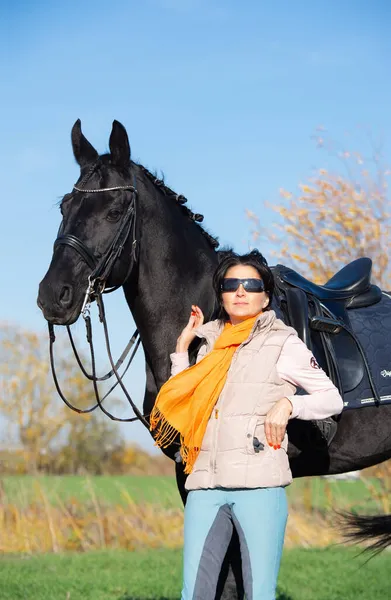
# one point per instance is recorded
(114, 215)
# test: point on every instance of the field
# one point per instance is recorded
(126, 537)
(331, 574)
(110, 489)
(315, 493)
(75, 513)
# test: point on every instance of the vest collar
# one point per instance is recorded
(211, 331)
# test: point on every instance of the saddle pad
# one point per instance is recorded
(372, 326)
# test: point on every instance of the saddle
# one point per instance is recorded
(320, 315)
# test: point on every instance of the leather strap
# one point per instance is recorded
(76, 244)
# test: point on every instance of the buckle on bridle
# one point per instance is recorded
(85, 309)
(96, 287)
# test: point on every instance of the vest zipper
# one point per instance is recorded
(216, 428)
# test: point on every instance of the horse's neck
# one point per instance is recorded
(175, 267)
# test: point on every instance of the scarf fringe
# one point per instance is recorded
(164, 433)
(189, 456)
(164, 436)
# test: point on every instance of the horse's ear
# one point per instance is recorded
(119, 145)
(83, 151)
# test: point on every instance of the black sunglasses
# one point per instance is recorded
(230, 284)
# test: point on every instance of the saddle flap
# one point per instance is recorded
(297, 305)
(349, 360)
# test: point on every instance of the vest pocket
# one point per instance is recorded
(255, 441)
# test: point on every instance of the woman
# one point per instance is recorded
(231, 410)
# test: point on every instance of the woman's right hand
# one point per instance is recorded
(187, 336)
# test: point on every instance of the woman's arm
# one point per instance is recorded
(299, 366)
(179, 362)
(180, 358)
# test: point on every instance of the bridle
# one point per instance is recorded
(97, 281)
(101, 269)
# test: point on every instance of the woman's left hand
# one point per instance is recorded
(276, 421)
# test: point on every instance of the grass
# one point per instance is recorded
(82, 514)
(315, 493)
(84, 526)
(144, 514)
(328, 574)
(109, 489)
(333, 574)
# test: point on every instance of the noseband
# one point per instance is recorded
(97, 280)
(101, 270)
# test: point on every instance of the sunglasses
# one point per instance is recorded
(230, 284)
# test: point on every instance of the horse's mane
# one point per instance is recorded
(159, 183)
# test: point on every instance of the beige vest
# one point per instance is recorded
(234, 451)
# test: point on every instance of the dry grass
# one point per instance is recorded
(40, 525)
(76, 526)
(319, 527)
(382, 495)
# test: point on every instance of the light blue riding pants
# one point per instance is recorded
(259, 517)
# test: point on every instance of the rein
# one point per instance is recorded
(97, 280)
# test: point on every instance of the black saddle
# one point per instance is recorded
(352, 284)
(320, 315)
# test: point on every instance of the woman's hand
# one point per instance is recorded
(187, 336)
(276, 421)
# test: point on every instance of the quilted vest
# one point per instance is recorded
(234, 451)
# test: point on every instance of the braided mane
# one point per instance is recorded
(159, 183)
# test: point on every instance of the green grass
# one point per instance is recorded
(333, 574)
(109, 489)
(324, 494)
(330, 574)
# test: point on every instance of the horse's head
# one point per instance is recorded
(97, 230)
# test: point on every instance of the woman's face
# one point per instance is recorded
(241, 305)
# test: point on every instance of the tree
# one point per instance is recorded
(94, 442)
(335, 219)
(37, 420)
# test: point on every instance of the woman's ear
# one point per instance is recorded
(266, 302)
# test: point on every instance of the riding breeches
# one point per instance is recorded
(259, 517)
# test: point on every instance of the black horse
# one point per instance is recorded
(123, 222)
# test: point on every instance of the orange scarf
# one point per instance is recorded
(185, 402)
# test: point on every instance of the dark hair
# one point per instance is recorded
(231, 259)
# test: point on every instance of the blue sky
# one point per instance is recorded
(222, 96)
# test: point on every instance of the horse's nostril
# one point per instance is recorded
(65, 297)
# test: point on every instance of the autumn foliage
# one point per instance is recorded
(42, 435)
(332, 220)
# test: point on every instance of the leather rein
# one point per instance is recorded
(101, 270)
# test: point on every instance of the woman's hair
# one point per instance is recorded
(232, 259)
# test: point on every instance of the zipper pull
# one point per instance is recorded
(216, 413)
